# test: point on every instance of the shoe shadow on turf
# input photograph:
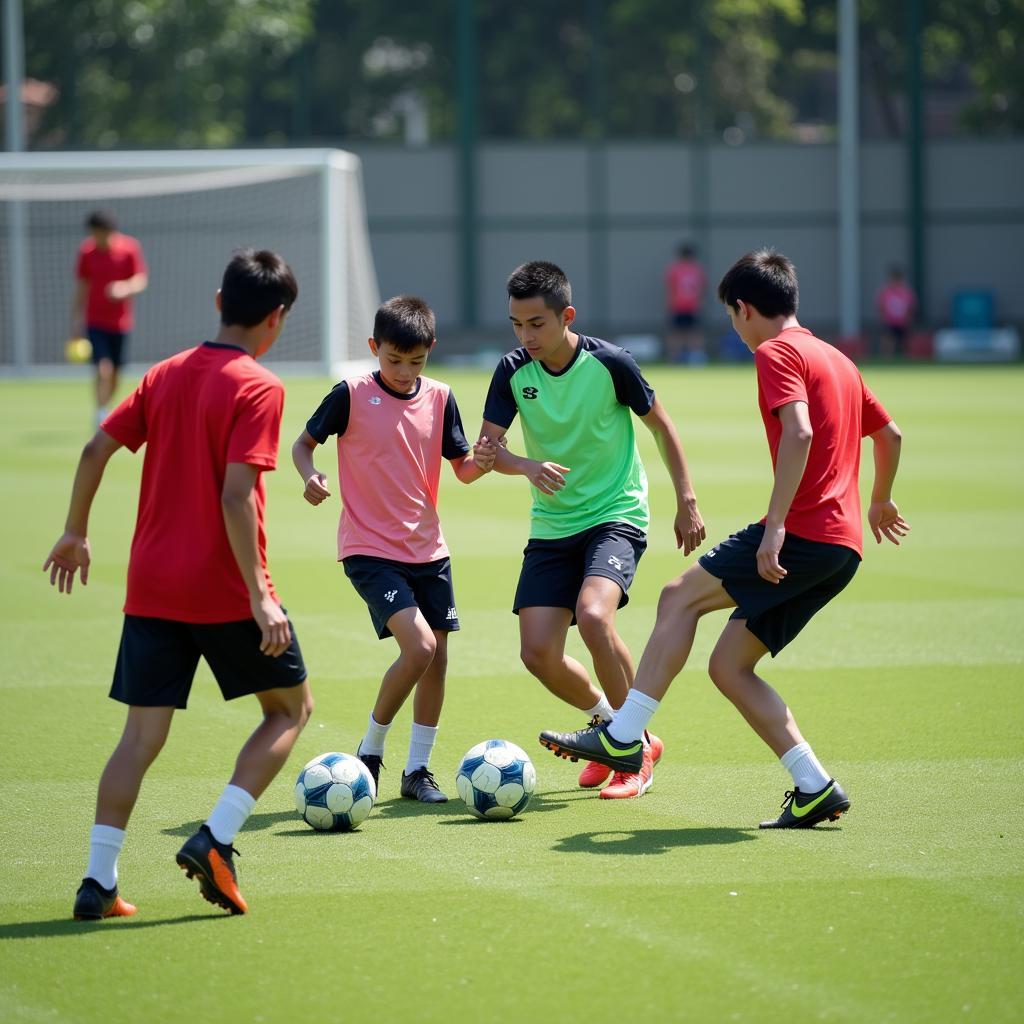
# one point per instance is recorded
(255, 823)
(61, 927)
(652, 840)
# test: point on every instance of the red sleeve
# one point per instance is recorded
(872, 413)
(127, 423)
(138, 260)
(254, 436)
(779, 374)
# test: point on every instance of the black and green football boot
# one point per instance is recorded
(805, 810)
(596, 744)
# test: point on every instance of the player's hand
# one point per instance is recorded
(885, 521)
(547, 477)
(316, 489)
(485, 451)
(69, 554)
(689, 526)
(768, 566)
(273, 623)
(118, 290)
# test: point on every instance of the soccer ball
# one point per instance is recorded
(78, 350)
(334, 792)
(496, 779)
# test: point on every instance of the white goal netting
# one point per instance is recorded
(189, 211)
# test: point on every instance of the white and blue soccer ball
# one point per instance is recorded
(496, 779)
(334, 792)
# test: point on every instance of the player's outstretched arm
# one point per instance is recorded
(547, 477)
(238, 505)
(688, 526)
(883, 516)
(315, 482)
(71, 553)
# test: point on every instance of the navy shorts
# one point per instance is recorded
(388, 586)
(106, 345)
(683, 321)
(554, 570)
(157, 661)
(776, 612)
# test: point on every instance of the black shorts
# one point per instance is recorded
(388, 586)
(683, 321)
(554, 570)
(776, 612)
(158, 657)
(106, 345)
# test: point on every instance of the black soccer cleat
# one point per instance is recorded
(203, 857)
(374, 763)
(421, 785)
(805, 810)
(596, 744)
(93, 902)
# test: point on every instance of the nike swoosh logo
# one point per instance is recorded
(618, 751)
(798, 812)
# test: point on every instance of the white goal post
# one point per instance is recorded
(190, 209)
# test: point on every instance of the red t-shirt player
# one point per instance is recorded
(198, 584)
(110, 272)
(775, 574)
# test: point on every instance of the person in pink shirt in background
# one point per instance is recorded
(684, 291)
(394, 427)
(896, 306)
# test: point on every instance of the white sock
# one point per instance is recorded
(631, 719)
(373, 741)
(421, 744)
(233, 807)
(808, 775)
(602, 709)
(105, 844)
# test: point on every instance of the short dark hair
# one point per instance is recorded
(104, 220)
(764, 279)
(406, 322)
(539, 277)
(686, 251)
(255, 283)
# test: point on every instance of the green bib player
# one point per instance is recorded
(575, 397)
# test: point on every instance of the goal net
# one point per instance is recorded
(189, 211)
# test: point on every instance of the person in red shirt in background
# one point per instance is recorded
(111, 271)
(198, 584)
(684, 291)
(896, 305)
(779, 572)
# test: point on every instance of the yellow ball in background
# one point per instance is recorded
(78, 350)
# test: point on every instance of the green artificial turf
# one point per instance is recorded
(673, 907)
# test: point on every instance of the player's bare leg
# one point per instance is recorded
(106, 382)
(429, 696)
(815, 796)
(418, 782)
(417, 645)
(145, 732)
(286, 711)
(732, 670)
(595, 617)
(682, 603)
(542, 635)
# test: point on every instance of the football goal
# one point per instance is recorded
(190, 210)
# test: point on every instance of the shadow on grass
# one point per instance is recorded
(255, 823)
(61, 927)
(652, 840)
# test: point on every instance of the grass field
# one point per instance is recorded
(674, 907)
